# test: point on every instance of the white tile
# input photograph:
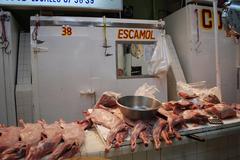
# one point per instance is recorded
(153, 155)
(126, 157)
(139, 155)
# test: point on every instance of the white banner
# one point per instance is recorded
(84, 4)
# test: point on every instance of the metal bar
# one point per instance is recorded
(96, 24)
(218, 72)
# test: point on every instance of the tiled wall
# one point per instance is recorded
(24, 86)
(221, 148)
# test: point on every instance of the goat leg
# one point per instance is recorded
(112, 134)
(18, 151)
(44, 147)
(144, 137)
(165, 136)
(120, 137)
(61, 149)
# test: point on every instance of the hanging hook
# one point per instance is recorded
(105, 43)
(35, 31)
(3, 37)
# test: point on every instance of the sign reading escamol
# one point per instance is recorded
(136, 34)
(79, 4)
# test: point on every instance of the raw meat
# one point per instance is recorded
(186, 95)
(52, 135)
(114, 110)
(108, 99)
(157, 129)
(236, 107)
(144, 136)
(103, 117)
(175, 122)
(120, 137)
(223, 111)
(211, 98)
(8, 137)
(181, 106)
(140, 126)
(73, 137)
(195, 116)
(30, 135)
(112, 134)
(169, 106)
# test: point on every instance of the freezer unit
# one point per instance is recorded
(8, 62)
(192, 31)
(74, 60)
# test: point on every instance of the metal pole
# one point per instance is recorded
(218, 72)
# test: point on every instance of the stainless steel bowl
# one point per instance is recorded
(138, 107)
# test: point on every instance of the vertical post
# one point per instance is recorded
(217, 59)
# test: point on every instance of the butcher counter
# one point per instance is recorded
(221, 144)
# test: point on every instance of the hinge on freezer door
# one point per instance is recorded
(39, 49)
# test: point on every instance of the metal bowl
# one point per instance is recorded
(138, 107)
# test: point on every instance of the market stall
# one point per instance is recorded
(100, 88)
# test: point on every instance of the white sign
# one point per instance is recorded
(85, 4)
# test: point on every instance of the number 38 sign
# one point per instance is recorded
(66, 31)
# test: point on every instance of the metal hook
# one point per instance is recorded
(35, 31)
(105, 44)
(4, 41)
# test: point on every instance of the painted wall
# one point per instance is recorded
(152, 9)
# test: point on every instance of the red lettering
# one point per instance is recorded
(130, 34)
(136, 34)
(220, 25)
(152, 37)
(148, 34)
(125, 34)
(120, 33)
(142, 34)
(206, 15)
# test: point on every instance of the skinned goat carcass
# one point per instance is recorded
(169, 106)
(181, 106)
(8, 137)
(52, 135)
(141, 130)
(195, 116)
(73, 137)
(223, 111)
(113, 133)
(108, 99)
(30, 134)
(187, 95)
(156, 132)
(120, 137)
(140, 126)
(103, 117)
(175, 123)
(236, 107)
(211, 98)
(145, 135)
(107, 119)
